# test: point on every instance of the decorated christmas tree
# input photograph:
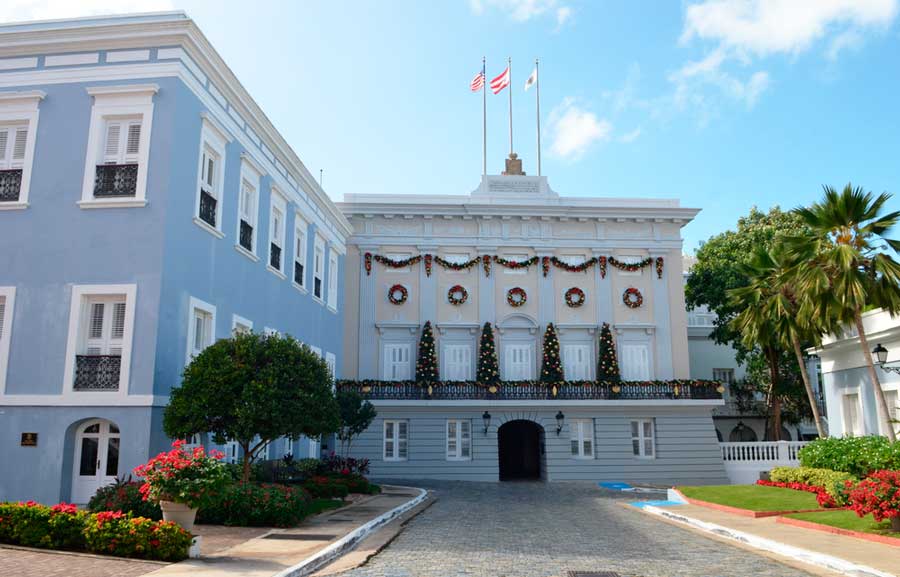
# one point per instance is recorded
(426, 362)
(488, 371)
(551, 366)
(607, 363)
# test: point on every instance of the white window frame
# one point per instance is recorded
(333, 279)
(574, 372)
(572, 259)
(387, 368)
(456, 258)
(845, 425)
(727, 373)
(77, 310)
(456, 441)
(6, 323)
(22, 108)
(396, 439)
(277, 205)
(238, 321)
(893, 410)
(397, 256)
(301, 236)
(446, 355)
(251, 174)
(518, 257)
(506, 372)
(269, 331)
(642, 438)
(581, 431)
(319, 269)
(331, 362)
(111, 102)
(630, 373)
(203, 306)
(628, 259)
(213, 142)
(317, 351)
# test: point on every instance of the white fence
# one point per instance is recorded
(745, 461)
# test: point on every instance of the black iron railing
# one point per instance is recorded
(275, 256)
(535, 390)
(10, 185)
(246, 236)
(115, 180)
(97, 372)
(208, 208)
(298, 273)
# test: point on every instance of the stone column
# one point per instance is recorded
(661, 317)
(367, 346)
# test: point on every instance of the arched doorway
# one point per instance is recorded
(519, 450)
(96, 458)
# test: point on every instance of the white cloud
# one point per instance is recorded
(563, 15)
(23, 10)
(572, 130)
(524, 10)
(630, 137)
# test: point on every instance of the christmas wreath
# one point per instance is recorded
(398, 294)
(516, 297)
(457, 295)
(632, 298)
(574, 297)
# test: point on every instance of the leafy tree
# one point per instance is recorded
(252, 389)
(607, 361)
(488, 369)
(426, 362)
(851, 270)
(551, 366)
(356, 416)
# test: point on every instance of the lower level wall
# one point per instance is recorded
(687, 450)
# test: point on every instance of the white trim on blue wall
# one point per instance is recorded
(195, 305)
(8, 302)
(22, 107)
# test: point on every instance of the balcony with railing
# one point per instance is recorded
(114, 180)
(10, 185)
(536, 390)
(97, 372)
(208, 208)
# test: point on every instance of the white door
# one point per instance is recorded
(457, 362)
(635, 362)
(577, 362)
(517, 363)
(96, 458)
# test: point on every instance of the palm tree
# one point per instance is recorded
(850, 265)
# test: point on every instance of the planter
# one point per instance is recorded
(179, 513)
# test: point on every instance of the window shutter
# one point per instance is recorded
(465, 435)
(402, 440)
(451, 439)
(4, 142)
(118, 323)
(96, 327)
(18, 153)
(133, 144)
(111, 150)
(2, 315)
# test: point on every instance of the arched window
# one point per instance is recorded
(742, 434)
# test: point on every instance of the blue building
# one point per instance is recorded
(147, 207)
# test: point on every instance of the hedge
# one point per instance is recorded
(834, 482)
(857, 456)
(257, 505)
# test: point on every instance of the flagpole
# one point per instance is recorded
(484, 88)
(538, 97)
(509, 89)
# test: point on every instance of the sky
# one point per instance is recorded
(723, 104)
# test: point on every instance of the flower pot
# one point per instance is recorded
(895, 524)
(179, 513)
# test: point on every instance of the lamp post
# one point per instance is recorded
(881, 354)
(560, 420)
(486, 417)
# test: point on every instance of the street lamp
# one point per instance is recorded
(560, 420)
(486, 417)
(881, 353)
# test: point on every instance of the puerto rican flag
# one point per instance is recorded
(478, 82)
(500, 82)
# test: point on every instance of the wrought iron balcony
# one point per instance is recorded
(298, 273)
(246, 236)
(275, 256)
(536, 390)
(115, 180)
(208, 208)
(10, 185)
(97, 372)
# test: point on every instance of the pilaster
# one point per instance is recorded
(603, 298)
(427, 288)
(546, 298)
(367, 344)
(662, 318)
(486, 303)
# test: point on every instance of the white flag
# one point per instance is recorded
(531, 79)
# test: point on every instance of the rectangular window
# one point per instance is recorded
(277, 211)
(724, 375)
(318, 267)
(572, 259)
(892, 399)
(331, 363)
(397, 256)
(13, 144)
(332, 279)
(634, 359)
(18, 127)
(210, 177)
(515, 258)
(643, 441)
(456, 363)
(456, 258)
(7, 301)
(396, 440)
(850, 413)
(582, 438)
(397, 366)
(247, 217)
(577, 362)
(299, 252)
(201, 330)
(240, 325)
(630, 259)
(459, 440)
(517, 363)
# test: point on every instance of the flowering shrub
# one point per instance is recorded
(878, 494)
(326, 486)
(124, 495)
(63, 526)
(257, 505)
(822, 496)
(345, 465)
(189, 477)
(833, 482)
(858, 456)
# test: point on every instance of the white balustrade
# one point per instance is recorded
(745, 461)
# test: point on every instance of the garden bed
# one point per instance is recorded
(751, 500)
(844, 522)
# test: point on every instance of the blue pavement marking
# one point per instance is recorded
(615, 486)
(642, 504)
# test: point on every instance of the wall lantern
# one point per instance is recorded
(486, 417)
(881, 354)
(560, 420)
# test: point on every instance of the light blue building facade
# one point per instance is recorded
(148, 207)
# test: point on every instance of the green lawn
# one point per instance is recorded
(848, 520)
(753, 497)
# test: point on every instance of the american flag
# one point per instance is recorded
(477, 82)
(500, 82)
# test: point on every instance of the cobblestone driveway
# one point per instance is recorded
(543, 530)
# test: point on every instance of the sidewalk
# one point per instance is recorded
(300, 551)
(799, 544)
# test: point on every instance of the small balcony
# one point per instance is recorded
(246, 236)
(275, 256)
(208, 208)
(115, 180)
(10, 185)
(97, 372)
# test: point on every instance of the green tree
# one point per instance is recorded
(426, 361)
(356, 416)
(252, 389)
(488, 370)
(607, 361)
(551, 366)
(851, 269)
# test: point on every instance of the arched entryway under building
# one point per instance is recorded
(520, 450)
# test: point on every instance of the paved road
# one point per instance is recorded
(544, 530)
(19, 563)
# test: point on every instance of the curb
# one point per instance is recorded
(742, 512)
(315, 562)
(883, 539)
(836, 564)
